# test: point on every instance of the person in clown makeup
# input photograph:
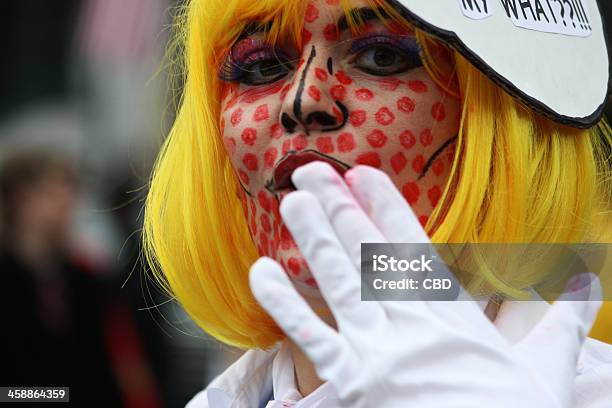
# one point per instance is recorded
(307, 128)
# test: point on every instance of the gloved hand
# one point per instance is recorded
(412, 353)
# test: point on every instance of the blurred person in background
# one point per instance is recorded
(63, 324)
(81, 79)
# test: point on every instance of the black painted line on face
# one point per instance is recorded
(330, 66)
(297, 103)
(434, 156)
(288, 123)
(322, 118)
(244, 188)
(345, 117)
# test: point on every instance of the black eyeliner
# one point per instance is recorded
(406, 43)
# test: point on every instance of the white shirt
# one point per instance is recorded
(260, 376)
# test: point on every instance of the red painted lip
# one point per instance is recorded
(281, 178)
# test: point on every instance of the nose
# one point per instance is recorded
(309, 105)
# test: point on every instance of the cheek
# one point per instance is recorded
(401, 126)
(252, 137)
(269, 234)
(394, 124)
(390, 116)
(249, 127)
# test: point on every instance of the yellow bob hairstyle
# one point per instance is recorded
(516, 176)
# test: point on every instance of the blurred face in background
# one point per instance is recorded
(40, 196)
(48, 205)
(347, 100)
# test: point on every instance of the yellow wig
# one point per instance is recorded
(516, 177)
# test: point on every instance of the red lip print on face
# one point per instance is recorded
(270, 157)
(411, 192)
(261, 113)
(364, 94)
(343, 78)
(250, 161)
(249, 135)
(438, 112)
(369, 159)
(406, 105)
(312, 13)
(407, 139)
(389, 84)
(358, 117)
(384, 116)
(314, 93)
(306, 36)
(327, 107)
(377, 138)
(438, 167)
(417, 86)
(434, 195)
(338, 92)
(300, 142)
(330, 32)
(426, 137)
(321, 74)
(346, 142)
(418, 163)
(236, 117)
(325, 144)
(398, 162)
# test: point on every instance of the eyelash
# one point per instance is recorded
(236, 64)
(407, 44)
(238, 61)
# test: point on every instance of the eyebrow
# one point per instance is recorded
(362, 14)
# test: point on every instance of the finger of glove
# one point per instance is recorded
(567, 322)
(351, 224)
(327, 259)
(392, 215)
(516, 318)
(392, 219)
(465, 314)
(383, 203)
(276, 294)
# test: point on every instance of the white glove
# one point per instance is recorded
(411, 353)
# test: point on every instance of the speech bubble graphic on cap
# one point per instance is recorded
(550, 54)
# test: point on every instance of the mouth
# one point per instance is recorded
(281, 176)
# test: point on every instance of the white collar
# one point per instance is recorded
(284, 383)
(255, 378)
(285, 386)
(246, 383)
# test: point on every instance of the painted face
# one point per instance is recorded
(347, 100)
